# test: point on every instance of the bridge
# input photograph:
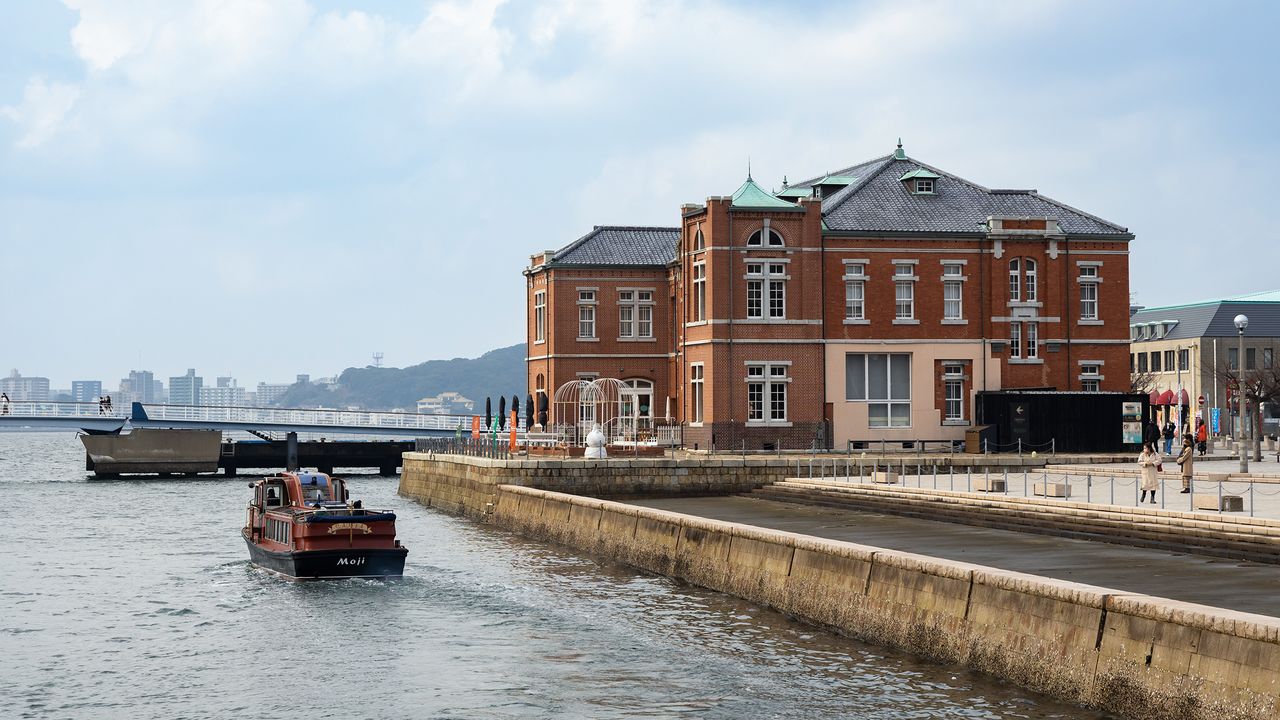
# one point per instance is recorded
(91, 417)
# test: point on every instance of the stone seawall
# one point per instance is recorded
(467, 485)
(1133, 655)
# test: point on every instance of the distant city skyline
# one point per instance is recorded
(289, 187)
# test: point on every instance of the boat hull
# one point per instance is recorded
(330, 564)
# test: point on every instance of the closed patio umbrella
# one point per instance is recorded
(488, 413)
(515, 409)
(502, 412)
(528, 411)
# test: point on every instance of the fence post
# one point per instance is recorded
(1113, 489)
(1019, 447)
(1088, 487)
(1250, 498)
(1219, 497)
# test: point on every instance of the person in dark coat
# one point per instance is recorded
(1169, 433)
(1150, 433)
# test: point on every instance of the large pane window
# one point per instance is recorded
(883, 381)
(952, 291)
(635, 314)
(767, 392)
(953, 389)
(586, 314)
(699, 289)
(540, 316)
(854, 293)
(904, 291)
(1031, 279)
(696, 390)
(1089, 292)
(1015, 280)
(766, 288)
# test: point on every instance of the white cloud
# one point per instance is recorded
(44, 107)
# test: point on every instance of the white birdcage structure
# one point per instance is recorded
(579, 405)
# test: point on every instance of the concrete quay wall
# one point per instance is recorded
(468, 485)
(1130, 654)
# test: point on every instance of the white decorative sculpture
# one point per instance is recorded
(595, 444)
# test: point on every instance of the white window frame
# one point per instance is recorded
(540, 316)
(699, 241)
(767, 381)
(1015, 280)
(587, 315)
(904, 291)
(1032, 333)
(635, 314)
(855, 292)
(1015, 340)
(1090, 376)
(699, 291)
(924, 187)
(697, 393)
(953, 380)
(888, 402)
(766, 290)
(1088, 280)
(1030, 284)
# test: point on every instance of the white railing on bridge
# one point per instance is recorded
(257, 416)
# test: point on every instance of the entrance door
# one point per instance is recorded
(635, 410)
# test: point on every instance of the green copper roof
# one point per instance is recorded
(751, 195)
(837, 180)
(796, 192)
(920, 173)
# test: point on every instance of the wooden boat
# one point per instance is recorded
(302, 525)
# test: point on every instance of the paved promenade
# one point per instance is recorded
(1235, 585)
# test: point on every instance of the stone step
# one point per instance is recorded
(1114, 528)
(1127, 516)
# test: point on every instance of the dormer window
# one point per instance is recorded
(765, 236)
(920, 182)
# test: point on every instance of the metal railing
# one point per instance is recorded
(1255, 498)
(257, 416)
(485, 446)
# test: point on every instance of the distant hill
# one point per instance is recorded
(497, 373)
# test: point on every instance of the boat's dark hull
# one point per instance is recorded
(328, 564)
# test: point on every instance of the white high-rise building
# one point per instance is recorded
(19, 388)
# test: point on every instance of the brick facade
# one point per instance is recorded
(769, 339)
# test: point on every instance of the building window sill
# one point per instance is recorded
(1091, 322)
(695, 323)
(695, 424)
(955, 423)
(768, 423)
(856, 321)
(906, 321)
(643, 339)
(1022, 304)
(954, 321)
(588, 339)
(539, 342)
(1026, 361)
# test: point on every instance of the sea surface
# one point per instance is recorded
(134, 599)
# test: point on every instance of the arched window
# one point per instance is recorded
(759, 238)
(699, 242)
(1030, 266)
(1015, 280)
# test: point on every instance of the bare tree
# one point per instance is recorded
(1142, 382)
(1258, 386)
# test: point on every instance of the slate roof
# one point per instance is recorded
(620, 245)
(1216, 318)
(880, 202)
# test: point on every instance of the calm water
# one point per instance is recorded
(134, 599)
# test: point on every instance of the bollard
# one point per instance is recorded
(1006, 481)
(1019, 447)
(1088, 487)
(1219, 497)
(1250, 498)
(1024, 472)
(1113, 489)
(953, 478)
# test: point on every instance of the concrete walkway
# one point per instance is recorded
(1235, 585)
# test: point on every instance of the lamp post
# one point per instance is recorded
(1242, 322)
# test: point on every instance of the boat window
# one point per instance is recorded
(274, 495)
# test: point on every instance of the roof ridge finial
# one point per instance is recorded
(899, 154)
(749, 168)
(784, 182)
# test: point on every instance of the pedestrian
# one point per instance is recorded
(1186, 459)
(1150, 465)
(1169, 433)
(1150, 432)
(108, 403)
(1202, 438)
(4, 403)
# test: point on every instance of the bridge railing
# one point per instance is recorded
(259, 416)
(30, 408)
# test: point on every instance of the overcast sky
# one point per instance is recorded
(267, 187)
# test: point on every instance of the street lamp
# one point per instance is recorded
(1242, 322)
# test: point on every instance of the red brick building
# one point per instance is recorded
(867, 304)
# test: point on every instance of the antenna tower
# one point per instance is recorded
(377, 359)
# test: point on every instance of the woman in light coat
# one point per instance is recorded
(1186, 459)
(1148, 462)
